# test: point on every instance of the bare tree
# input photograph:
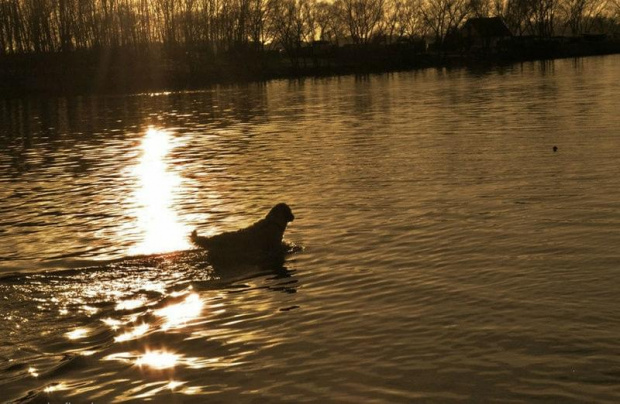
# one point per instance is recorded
(327, 24)
(614, 16)
(165, 12)
(517, 15)
(256, 22)
(208, 22)
(287, 26)
(443, 16)
(362, 18)
(411, 18)
(580, 15)
(542, 17)
(481, 8)
(391, 24)
(12, 32)
(311, 23)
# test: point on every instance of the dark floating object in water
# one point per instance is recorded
(262, 239)
(555, 148)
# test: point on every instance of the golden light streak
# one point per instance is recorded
(112, 323)
(90, 309)
(177, 315)
(124, 357)
(174, 384)
(129, 304)
(158, 360)
(154, 197)
(78, 333)
(133, 334)
(55, 387)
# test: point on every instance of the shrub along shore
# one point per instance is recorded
(155, 68)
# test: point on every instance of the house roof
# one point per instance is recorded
(488, 26)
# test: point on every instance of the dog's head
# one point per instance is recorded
(281, 213)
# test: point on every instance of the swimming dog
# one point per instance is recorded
(260, 240)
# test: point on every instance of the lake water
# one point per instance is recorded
(449, 254)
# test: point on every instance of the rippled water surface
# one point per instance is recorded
(447, 252)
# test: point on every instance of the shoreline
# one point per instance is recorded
(123, 72)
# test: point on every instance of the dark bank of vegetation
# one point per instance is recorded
(82, 46)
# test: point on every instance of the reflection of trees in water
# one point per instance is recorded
(30, 122)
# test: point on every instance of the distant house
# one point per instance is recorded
(485, 33)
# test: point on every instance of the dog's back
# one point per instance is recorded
(260, 239)
(258, 236)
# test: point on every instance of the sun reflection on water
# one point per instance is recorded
(174, 384)
(177, 315)
(112, 323)
(78, 333)
(154, 197)
(158, 360)
(55, 387)
(138, 331)
(129, 304)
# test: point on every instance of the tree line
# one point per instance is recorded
(43, 26)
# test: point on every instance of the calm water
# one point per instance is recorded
(448, 253)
